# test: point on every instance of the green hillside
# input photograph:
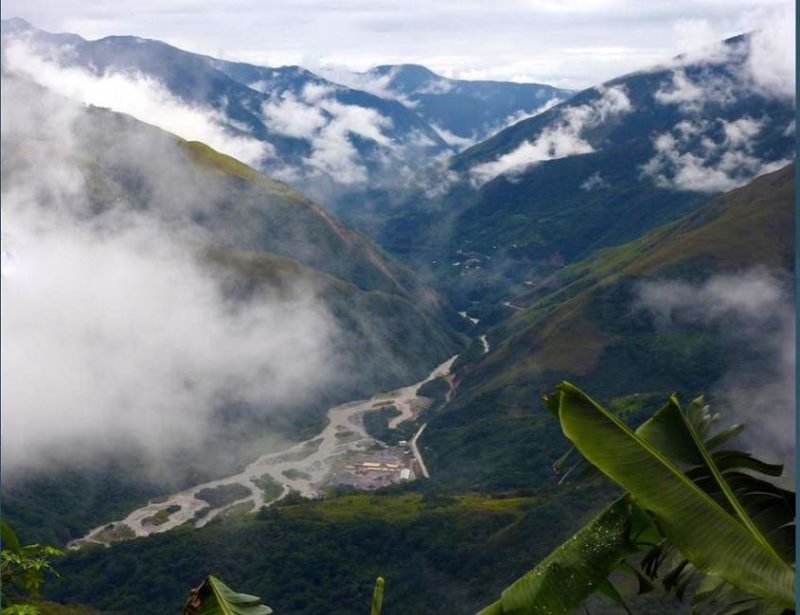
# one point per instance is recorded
(495, 432)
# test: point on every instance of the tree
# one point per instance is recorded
(22, 571)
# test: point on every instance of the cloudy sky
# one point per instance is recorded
(570, 43)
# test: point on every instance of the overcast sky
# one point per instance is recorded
(569, 43)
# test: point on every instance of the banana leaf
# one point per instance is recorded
(580, 566)
(213, 597)
(714, 541)
(9, 538)
(762, 507)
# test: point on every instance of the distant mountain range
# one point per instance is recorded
(328, 139)
(599, 169)
(462, 112)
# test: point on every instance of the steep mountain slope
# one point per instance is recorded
(463, 112)
(661, 313)
(600, 169)
(256, 238)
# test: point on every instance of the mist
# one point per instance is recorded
(115, 331)
(754, 310)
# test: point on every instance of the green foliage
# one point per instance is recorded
(565, 578)
(22, 571)
(222, 495)
(436, 389)
(727, 533)
(270, 488)
(162, 516)
(376, 423)
(712, 539)
(305, 557)
(20, 609)
(8, 537)
(294, 474)
(213, 597)
(580, 326)
(377, 597)
(25, 570)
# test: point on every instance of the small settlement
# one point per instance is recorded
(375, 469)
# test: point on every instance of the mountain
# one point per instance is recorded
(350, 148)
(599, 169)
(669, 311)
(259, 239)
(463, 112)
(290, 123)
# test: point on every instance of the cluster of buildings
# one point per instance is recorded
(375, 470)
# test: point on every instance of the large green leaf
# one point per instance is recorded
(213, 597)
(684, 436)
(8, 538)
(566, 577)
(714, 541)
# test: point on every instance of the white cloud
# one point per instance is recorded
(288, 116)
(376, 84)
(125, 339)
(329, 126)
(762, 65)
(691, 96)
(139, 96)
(334, 153)
(436, 86)
(561, 138)
(771, 62)
(706, 156)
(114, 332)
(518, 116)
(739, 133)
(314, 92)
(593, 182)
(453, 139)
(449, 36)
(692, 33)
(755, 311)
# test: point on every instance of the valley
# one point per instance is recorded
(343, 454)
(300, 327)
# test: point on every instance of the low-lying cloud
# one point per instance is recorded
(329, 126)
(377, 84)
(138, 95)
(708, 156)
(563, 137)
(115, 333)
(755, 311)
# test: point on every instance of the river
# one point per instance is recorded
(308, 465)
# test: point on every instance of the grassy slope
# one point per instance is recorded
(495, 431)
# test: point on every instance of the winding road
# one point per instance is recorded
(423, 468)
